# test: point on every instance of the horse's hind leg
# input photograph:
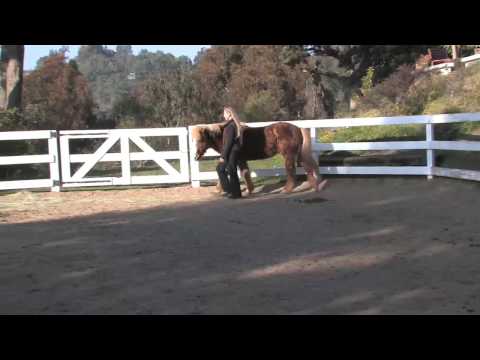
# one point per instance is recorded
(248, 180)
(245, 171)
(312, 180)
(313, 176)
(290, 168)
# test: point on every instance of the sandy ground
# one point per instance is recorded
(362, 246)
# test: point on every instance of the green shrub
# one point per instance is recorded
(409, 92)
(375, 133)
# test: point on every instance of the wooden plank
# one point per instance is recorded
(108, 179)
(470, 59)
(65, 158)
(159, 179)
(430, 155)
(129, 132)
(125, 158)
(456, 145)
(135, 156)
(87, 136)
(26, 159)
(104, 132)
(25, 184)
(148, 149)
(440, 66)
(194, 165)
(87, 184)
(457, 173)
(54, 165)
(183, 149)
(392, 120)
(454, 118)
(375, 170)
(25, 135)
(357, 146)
(88, 165)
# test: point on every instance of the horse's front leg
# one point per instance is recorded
(218, 187)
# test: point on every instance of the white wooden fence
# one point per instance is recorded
(125, 156)
(429, 145)
(447, 68)
(51, 158)
(59, 157)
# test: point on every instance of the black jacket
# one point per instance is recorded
(229, 139)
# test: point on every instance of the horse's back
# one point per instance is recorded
(263, 142)
(255, 143)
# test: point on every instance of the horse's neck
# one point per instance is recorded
(218, 144)
(218, 141)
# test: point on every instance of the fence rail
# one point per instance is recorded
(429, 145)
(447, 68)
(51, 158)
(60, 158)
(125, 156)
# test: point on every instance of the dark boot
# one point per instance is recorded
(223, 177)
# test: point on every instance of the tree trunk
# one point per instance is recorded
(12, 60)
(455, 51)
(315, 105)
(3, 84)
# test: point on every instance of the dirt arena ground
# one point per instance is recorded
(362, 246)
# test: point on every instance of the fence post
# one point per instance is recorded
(430, 153)
(125, 151)
(185, 150)
(194, 165)
(53, 149)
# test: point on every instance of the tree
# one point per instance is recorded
(3, 84)
(11, 77)
(338, 69)
(163, 100)
(57, 96)
(255, 79)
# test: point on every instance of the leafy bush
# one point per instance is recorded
(410, 92)
(261, 106)
(375, 133)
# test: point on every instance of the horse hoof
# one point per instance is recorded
(322, 185)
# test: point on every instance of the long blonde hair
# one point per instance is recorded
(237, 121)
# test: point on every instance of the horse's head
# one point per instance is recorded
(206, 137)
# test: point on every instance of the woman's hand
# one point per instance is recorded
(221, 160)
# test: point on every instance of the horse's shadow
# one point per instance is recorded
(277, 188)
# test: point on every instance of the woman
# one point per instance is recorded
(227, 168)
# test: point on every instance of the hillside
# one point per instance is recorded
(409, 92)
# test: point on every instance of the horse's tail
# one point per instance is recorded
(305, 154)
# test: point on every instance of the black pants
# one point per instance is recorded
(227, 173)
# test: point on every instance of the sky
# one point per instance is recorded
(35, 52)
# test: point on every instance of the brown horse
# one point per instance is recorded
(292, 142)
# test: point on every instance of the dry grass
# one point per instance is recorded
(28, 206)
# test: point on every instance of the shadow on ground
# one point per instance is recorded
(363, 246)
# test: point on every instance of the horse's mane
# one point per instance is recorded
(214, 130)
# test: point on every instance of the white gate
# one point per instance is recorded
(124, 137)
